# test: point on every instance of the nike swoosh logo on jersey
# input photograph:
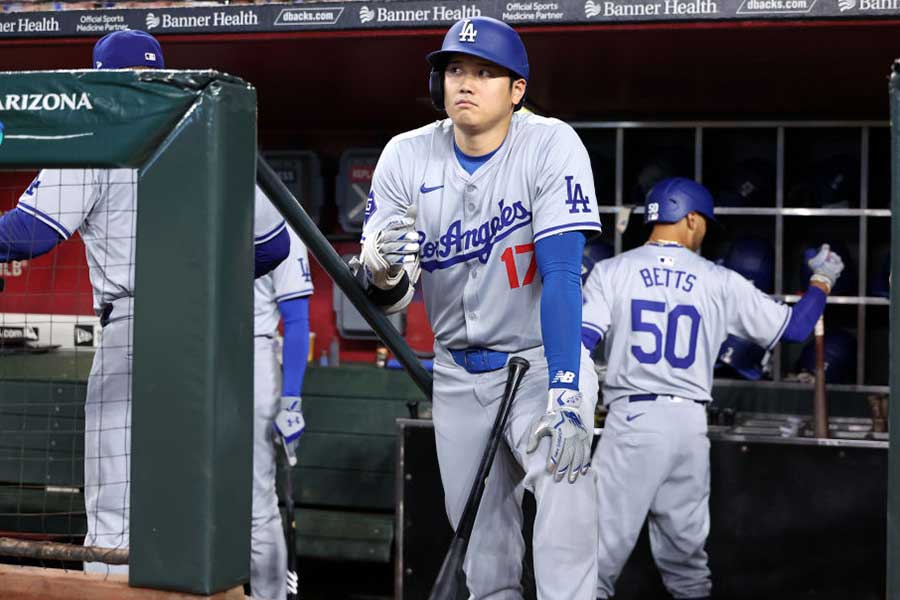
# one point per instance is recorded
(631, 418)
(426, 190)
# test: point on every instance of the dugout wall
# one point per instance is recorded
(191, 136)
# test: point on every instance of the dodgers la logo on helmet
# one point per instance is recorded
(468, 33)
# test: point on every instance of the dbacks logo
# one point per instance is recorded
(457, 245)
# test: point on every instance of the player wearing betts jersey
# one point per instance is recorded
(101, 204)
(276, 392)
(489, 206)
(663, 312)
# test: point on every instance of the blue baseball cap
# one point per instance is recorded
(127, 49)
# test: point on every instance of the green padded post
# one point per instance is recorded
(192, 135)
(192, 417)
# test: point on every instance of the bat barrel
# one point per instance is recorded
(446, 585)
(820, 406)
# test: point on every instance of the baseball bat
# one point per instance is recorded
(290, 534)
(446, 586)
(339, 272)
(820, 406)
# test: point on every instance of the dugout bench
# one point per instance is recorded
(42, 446)
(344, 483)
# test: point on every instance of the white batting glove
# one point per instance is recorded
(290, 425)
(826, 266)
(570, 441)
(387, 252)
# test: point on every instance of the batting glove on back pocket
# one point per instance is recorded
(570, 441)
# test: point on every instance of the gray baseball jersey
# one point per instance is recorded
(291, 279)
(478, 231)
(101, 204)
(268, 552)
(672, 309)
(267, 222)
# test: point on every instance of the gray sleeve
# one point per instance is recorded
(565, 199)
(267, 221)
(63, 198)
(595, 313)
(293, 278)
(753, 315)
(389, 197)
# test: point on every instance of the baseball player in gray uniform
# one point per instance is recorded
(282, 295)
(490, 206)
(101, 205)
(663, 311)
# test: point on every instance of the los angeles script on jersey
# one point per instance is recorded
(458, 245)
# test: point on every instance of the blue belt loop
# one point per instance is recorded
(479, 360)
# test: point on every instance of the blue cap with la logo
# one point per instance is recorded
(127, 49)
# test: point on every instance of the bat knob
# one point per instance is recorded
(519, 363)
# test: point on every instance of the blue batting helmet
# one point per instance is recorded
(754, 259)
(832, 182)
(126, 49)
(743, 357)
(662, 165)
(749, 183)
(840, 357)
(485, 38)
(672, 199)
(594, 251)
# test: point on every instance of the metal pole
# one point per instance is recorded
(893, 500)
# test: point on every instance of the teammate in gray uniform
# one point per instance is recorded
(663, 312)
(500, 202)
(101, 204)
(282, 294)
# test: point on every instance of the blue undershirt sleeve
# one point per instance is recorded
(270, 253)
(295, 314)
(804, 315)
(23, 237)
(559, 260)
(590, 338)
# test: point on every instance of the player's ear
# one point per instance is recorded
(518, 90)
(692, 222)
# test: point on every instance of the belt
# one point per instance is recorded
(105, 314)
(653, 397)
(479, 360)
(122, 308)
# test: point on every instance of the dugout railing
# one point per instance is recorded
(191, 138)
